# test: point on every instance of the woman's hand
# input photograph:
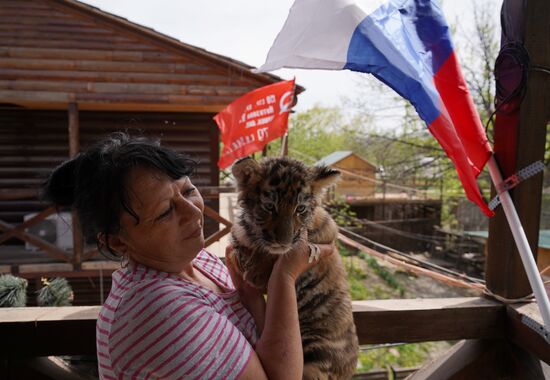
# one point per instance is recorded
(295, 262)
(251, 297)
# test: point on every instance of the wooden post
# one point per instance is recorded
(284, 145)
(74, 147)
(505, 275)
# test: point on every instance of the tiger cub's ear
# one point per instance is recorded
(246, 171)
(322, 177)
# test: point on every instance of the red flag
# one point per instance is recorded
(253, 120)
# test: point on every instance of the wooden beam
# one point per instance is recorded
(21, 227)
(58, 101)
(36, 331)
(525, 327)
(74, 130)
(44, 331)
(103, 265)
(16, 194)
(420, 320)
(505, 275)
(91, 253)
(44, 268)
(214, 154)
(216, 236)
(400, 373)
(217, 217)
(481, 359)
(50, 249)
(74, 148)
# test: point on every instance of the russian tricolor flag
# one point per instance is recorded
(405, 44)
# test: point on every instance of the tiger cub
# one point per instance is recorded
(280, 201)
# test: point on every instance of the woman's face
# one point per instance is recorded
(169, 233)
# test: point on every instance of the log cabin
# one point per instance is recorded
(70, 73)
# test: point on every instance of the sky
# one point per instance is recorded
(245, 29)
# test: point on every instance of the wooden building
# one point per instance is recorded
(358, 175)
(70, 73)
(543, 250)
(404, 223)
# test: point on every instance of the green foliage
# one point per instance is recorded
(55, 292)
(401, 356)
(316, 133)
(383, 273)
(341, 212)
(344, 250)
(356, 280)
(12, 291)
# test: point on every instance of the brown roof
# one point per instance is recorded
(59, 51)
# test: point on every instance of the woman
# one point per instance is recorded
(174, 310)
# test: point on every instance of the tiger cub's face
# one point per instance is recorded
(278, 197)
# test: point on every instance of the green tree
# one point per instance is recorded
(316, 133)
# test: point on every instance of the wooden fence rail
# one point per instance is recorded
(42, 331)
(77, 256)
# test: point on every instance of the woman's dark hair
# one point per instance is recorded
(94, 182)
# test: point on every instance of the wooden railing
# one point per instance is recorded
(482, 324)
(78, 255)
(36, 331)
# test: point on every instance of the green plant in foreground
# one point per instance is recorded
(56, 292)
(13, 291)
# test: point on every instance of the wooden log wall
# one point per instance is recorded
(32, 143)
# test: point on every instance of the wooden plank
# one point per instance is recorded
(58, 313)
(400, 373)
(394, 321)
(76, 44)
(94, 65)
(89, 254)
(455, 359)
(216, 236)
(44, 268)
(36, 331)
(73, 130)
(106, 55)
(21, 227)
(50, 249)
(123, 102)
(68, 27)
(505, 275)
(525, 327)
(103, 265)
(217, 217)
(14, 194)
(74, 148)
(481, 359)
(419, 320)
(214, 153)
(68, 74)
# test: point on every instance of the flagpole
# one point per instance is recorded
(522, 243)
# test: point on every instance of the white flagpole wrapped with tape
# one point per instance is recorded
(522, 243)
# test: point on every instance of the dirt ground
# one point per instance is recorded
(414, 286)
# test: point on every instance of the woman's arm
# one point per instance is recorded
(279, 350)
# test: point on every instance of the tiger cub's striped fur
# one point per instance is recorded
(280, 202)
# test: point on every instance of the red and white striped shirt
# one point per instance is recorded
(155, 325)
